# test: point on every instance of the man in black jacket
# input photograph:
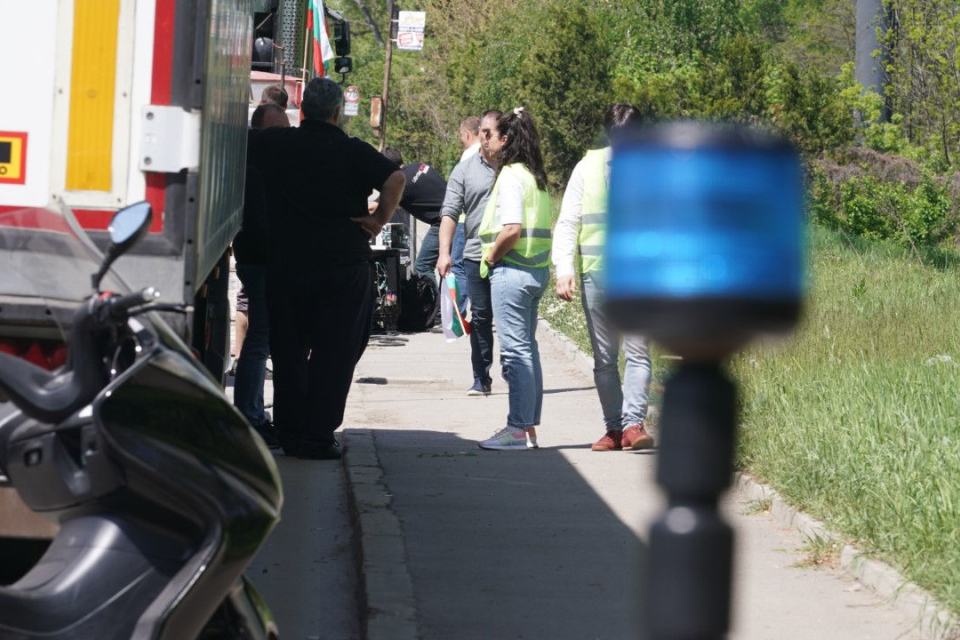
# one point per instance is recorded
(319, 280)
(422, 198)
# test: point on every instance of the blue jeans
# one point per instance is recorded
(624, 406)
(516, 293)
(426, 264)
(252, 365)
(456, 252)
(481, 321)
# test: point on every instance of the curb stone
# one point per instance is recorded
(386, 589)
(582, 361)
(933, 621)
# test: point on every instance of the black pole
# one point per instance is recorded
(691, 547)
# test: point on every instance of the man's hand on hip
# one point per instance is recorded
(370, 225)
(566, 287)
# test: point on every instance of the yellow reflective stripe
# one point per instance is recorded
(525, 233)
(533, 261)
(535, 233)
(593, 218)
(92, 87)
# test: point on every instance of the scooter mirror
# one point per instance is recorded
(126, 228)
(130, 223)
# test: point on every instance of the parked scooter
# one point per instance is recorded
(162, 491)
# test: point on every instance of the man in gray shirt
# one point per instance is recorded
(467, 192)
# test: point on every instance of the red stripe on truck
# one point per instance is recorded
(163, 30)
(89, 219)
(99, 219)
(32, 218)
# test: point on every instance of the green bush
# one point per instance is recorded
(732, 83)
(866, 207)
(809, 107)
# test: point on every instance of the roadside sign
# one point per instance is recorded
(351, 99)
(410, 27)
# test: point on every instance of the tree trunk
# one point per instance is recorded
(369, 19)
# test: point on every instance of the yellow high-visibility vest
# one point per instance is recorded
(593, 208)
(533, 247)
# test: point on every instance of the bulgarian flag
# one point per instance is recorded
(317, 29)
(454, 326)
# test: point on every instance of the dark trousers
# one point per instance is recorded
(319, 327)
(426, 264)
(252, 363)
(481, 321)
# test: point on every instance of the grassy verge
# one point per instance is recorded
(856, 418)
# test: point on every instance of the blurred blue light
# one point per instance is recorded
(711, 222)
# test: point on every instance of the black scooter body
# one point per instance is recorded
(163, 494)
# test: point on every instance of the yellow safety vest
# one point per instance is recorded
(593, 208)
(533, 247)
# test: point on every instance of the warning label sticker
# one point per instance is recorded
(13, 157)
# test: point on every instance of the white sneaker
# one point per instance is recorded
(532, 438)
(507, 439)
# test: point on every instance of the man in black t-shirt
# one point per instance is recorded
(422, 198)
(319, 281)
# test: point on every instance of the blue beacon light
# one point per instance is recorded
(705, 249)
(706, 242)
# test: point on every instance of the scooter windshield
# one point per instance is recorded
(46, 261)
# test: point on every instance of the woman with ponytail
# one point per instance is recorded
(515, 236)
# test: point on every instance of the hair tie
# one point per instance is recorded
(518, 111)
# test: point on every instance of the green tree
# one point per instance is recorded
(924, 44)
(564, 81)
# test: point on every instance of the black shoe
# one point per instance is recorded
(325, 451)
(269, 434)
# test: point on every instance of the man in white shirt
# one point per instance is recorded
(581, 229)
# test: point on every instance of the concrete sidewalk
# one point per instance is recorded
(464, 543)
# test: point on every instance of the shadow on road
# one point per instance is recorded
(509, 544)
(305, 570)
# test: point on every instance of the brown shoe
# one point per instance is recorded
(609, 442)
(635, 437)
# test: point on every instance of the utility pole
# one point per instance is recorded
(385, 101)
(872, 24)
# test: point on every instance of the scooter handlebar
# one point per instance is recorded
(52, 397)
(119, 306)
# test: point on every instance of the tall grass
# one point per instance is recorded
(856, 418)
